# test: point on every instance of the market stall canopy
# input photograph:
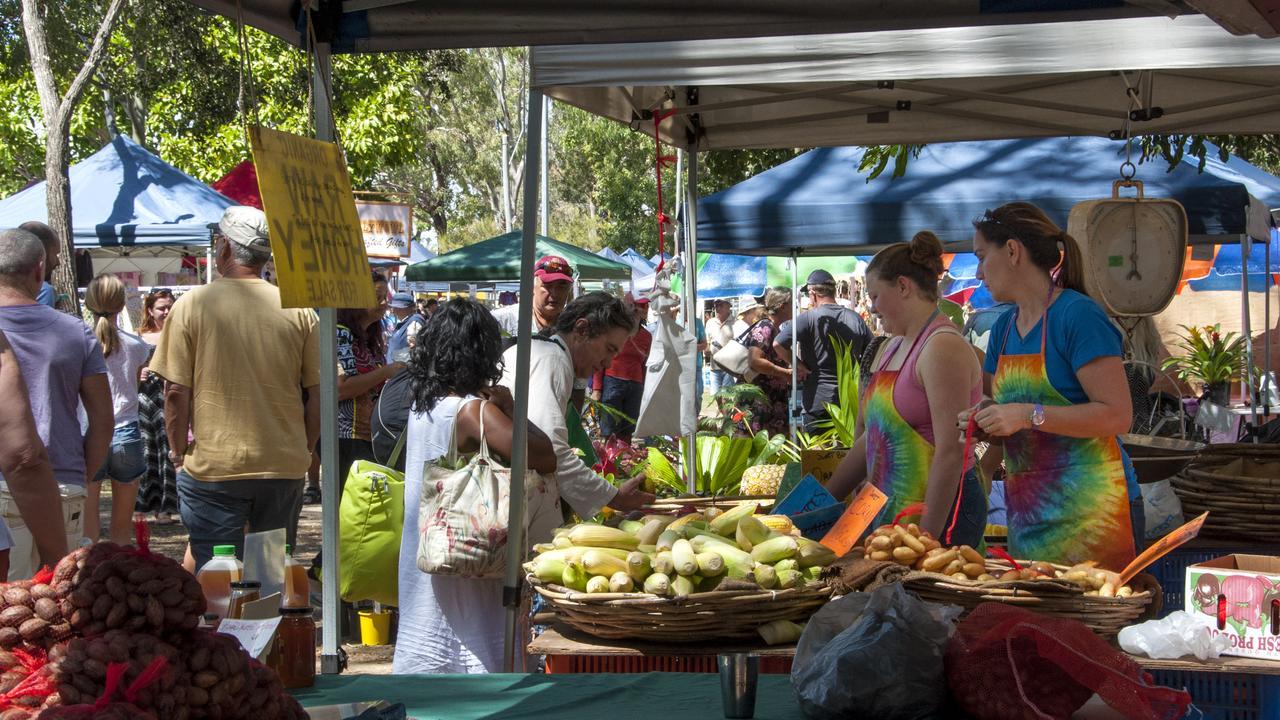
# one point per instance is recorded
(639, 266)
(396, 25)
(915, 86)
(820, 203)
(498, 258)
(123, 195)
(635, 258)
(1225, 273)
(240, 184)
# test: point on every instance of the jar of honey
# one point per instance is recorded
(296, 639)
(243, 593)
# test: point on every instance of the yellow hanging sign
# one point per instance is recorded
(315, 232)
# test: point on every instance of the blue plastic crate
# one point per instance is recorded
(1171, 570)
(1226, 696)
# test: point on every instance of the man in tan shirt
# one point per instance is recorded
(236, 365)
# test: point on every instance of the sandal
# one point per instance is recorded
(311, 495)
(166, 519)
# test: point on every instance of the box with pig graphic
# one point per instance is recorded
(1239, 595)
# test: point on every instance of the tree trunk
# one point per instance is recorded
(57, 108)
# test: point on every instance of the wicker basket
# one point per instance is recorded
(1057, 598)
(715, 615)
(1239, 485)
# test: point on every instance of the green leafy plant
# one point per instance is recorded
(838, 429)
(1208, 355)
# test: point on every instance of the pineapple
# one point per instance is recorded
(762, 479)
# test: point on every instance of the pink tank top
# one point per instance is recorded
(908, 394)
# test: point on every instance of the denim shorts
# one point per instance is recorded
(126, 461)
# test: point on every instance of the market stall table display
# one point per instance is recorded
(569, 651)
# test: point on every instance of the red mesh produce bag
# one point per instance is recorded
(1005, 663)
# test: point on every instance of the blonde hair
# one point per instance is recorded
(105, 299)
(919, 261)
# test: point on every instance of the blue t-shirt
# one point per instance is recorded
(47, 295)
(1079, 333)
(55, 352)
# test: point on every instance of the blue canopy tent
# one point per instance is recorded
(820, 203)
(1225, 273)
(635, 259)
(124, 196)
(639, 266)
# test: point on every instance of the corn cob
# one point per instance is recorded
(754, 530)
(775, 549)
(683, 557)
(621, 583)
(789, 578)
(780, 632)
(778, 523)
(812, 552)
(598, 563)
(546, 569)
(638, 566)
(709, 564)
(657, 584)
(765, 576)
(685, 520)
(648, 535)
(668, 538)
(573, 577)
(683, 585)
(601, 536)
(598, 584)
(663, 564)
(727, 521)
(737, 564)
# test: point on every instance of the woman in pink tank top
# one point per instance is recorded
(909, 449)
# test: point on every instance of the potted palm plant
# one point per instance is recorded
(1209, 357)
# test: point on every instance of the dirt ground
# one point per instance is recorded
(171, 541)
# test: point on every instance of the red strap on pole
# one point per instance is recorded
(660, 161)
(1000, 553)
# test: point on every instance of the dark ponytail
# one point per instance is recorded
(1050, 248)
(919, 261)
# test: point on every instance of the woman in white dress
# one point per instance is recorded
(452, 624)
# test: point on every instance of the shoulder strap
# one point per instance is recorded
(399, 447)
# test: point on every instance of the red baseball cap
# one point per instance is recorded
(636, 299)
(552, 268)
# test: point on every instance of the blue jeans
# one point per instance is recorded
(623, 396)
(721, 379)
(127, 460)
(216, 512)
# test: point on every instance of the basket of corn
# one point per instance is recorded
(687, 579)
(960, 575)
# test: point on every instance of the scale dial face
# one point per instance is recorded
(1133, 252)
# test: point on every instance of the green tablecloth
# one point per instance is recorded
(559, 697)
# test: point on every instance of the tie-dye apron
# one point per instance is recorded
(898, 457)
(1067, 497)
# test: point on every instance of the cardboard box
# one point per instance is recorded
(1247, 588)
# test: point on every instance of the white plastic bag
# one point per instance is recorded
(1162, 508)
(1173, 636)
(670, 374)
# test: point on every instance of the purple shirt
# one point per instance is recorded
(55, 352)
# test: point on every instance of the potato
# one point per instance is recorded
(904, 555)
(973, 569)
(971, 556)
(880, 555)
(941, 560)
(881, 542)
(953, 567)
(1011, 575)
(910, 540)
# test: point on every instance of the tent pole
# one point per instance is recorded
(691, 307)
(330, 663)
(546, 153)
(520, 419)
(1266, 331)
(1246, 247)
(794, 405)
(208, 263)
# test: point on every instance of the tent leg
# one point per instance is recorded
(1266, 330)
(208, 263)
(330, 662)
(795, 346)
(691, 311)
(1246, 247)
(520, 421)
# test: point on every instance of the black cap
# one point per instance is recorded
(818, 277)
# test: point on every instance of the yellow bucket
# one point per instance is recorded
(375, 627)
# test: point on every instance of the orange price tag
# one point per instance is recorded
(855, 521)
(1162, 547)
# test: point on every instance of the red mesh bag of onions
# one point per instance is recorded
(1006, 663)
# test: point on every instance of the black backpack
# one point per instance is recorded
(390, 417)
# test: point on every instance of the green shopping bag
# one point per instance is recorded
(370, 522)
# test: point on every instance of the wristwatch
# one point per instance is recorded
(1037, 415)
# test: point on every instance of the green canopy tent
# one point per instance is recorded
(498, 259)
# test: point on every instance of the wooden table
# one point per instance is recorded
(571, 651)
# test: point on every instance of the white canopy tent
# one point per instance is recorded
(394, 25)
(929, 85)
(388, 25)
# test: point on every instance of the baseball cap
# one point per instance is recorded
(818, 277)
(244, 225)
(636, 299)
(401, 300)
(551, 268)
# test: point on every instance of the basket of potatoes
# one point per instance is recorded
(960, 575)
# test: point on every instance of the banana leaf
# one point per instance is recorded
(838, 429)
(721, 462)
(659, 471)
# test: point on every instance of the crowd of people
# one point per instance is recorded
(216, 420)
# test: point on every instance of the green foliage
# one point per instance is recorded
(1260, 150)
(1207, 355)
(662, 473)
(838, 430)
(877, 158)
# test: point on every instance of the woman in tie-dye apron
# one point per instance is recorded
(1054, 368)
(921, 379)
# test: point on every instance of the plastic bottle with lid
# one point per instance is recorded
(297, 587)
(216, 577)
